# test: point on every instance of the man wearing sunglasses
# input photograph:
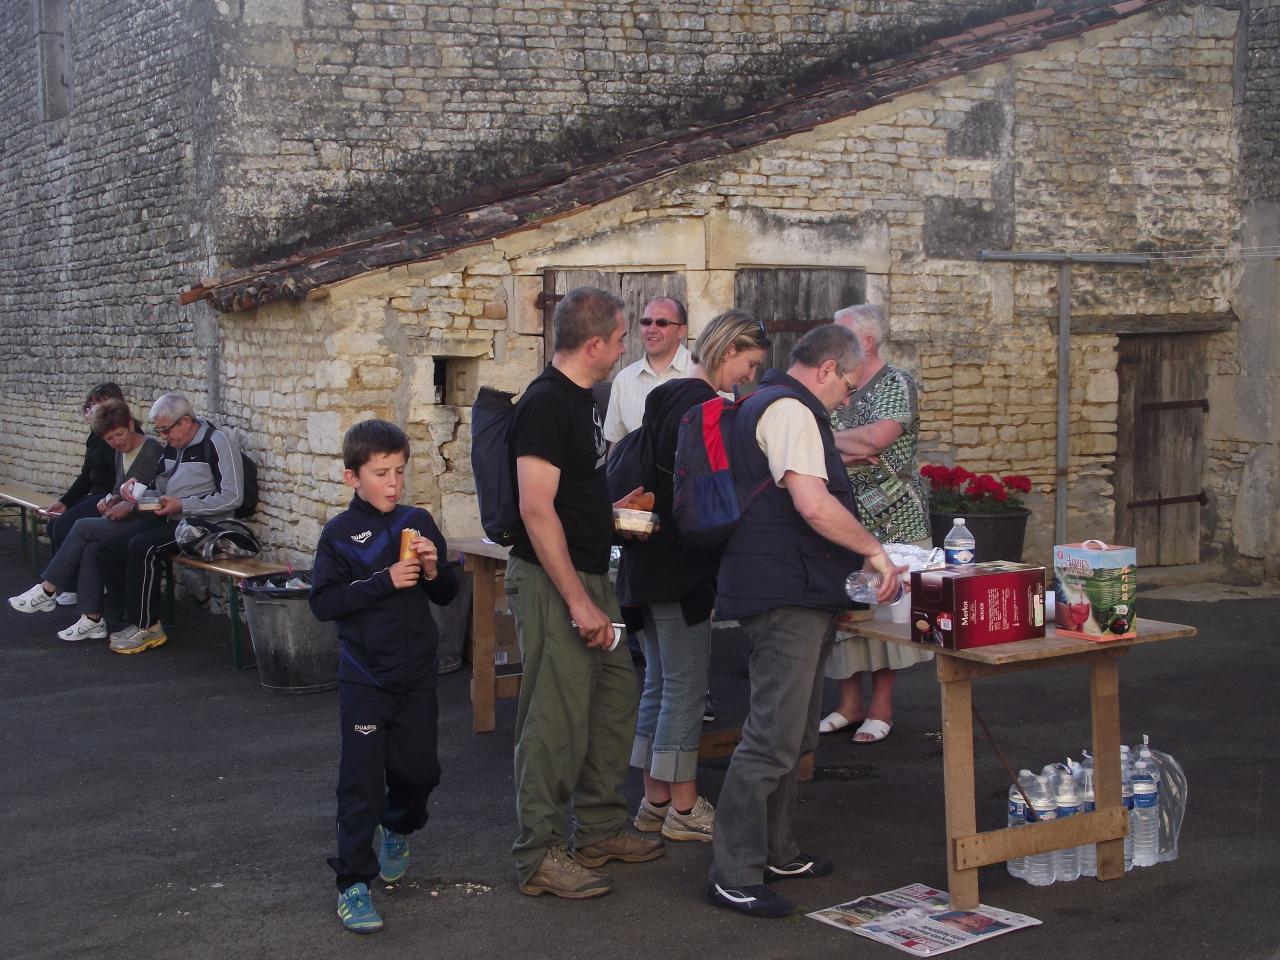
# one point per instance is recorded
(201, 475)
(664, 325)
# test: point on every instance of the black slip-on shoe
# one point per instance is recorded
(802, 867)
(755, 900)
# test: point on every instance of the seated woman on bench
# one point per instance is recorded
(76, 560)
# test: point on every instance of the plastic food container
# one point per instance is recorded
(634, 521)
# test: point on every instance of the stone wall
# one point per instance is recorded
(1118, 139)
(100, 223)
(337, 115)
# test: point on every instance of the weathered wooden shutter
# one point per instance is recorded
(1158, 477)
(793, 301)
(635, 289)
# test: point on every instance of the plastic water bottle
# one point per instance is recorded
(1018, 818)
(862, 586)
(1084, 790)
(959, 545)
(1145, 822)
(1039, 866)
(1126, 797)
(1066, 863)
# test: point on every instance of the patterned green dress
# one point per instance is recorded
(891, 500)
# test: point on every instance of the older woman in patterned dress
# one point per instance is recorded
(877, 432)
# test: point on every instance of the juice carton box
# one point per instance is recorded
(977, 605)
(1097, 590)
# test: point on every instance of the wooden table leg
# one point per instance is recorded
(1105, 708)
(957, 763)
(483, 714)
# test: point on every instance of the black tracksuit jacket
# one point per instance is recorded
(389, 639)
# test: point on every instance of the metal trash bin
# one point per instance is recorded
(296, 653)
(453, 620)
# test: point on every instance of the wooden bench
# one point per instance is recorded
(234, 571)
(28, 503)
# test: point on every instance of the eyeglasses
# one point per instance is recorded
(660, 322)
(164, 431)
(850, 388)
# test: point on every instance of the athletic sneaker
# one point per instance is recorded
(393, 855)
(650, 816)
(708, 709)
(694, 825)
(67, 599)
(138, 639)
(561, 875)
(355, 910)
(34, 600)
(802, 867)
(755, 900)
(84, 629)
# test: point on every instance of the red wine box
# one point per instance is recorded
(1097, 586)
(977, 605)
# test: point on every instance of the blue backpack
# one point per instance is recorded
(707, 504)
(491, 465)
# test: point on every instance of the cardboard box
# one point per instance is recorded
(1097, 590)
(977, 605)
(505, 649)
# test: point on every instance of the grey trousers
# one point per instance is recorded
(753, 815)
(76, 562)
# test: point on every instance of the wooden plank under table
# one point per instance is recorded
(486, 561)
(967, 849)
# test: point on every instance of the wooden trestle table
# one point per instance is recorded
(968, 849)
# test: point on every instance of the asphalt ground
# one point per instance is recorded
(164, 805)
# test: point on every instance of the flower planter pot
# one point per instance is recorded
(997, 536)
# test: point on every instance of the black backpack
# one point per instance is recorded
(632, 463)
(248, 472)
(491, 419)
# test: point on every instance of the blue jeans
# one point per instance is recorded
(669, 724)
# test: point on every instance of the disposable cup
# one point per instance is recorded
(900, 612)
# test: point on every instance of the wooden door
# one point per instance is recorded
(1158, 478)
(791, 302)
(635, 289)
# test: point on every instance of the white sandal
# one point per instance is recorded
(833, 722)
(876, 730)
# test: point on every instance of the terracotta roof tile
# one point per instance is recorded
(559, 189)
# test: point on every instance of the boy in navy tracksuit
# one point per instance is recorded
(387, 669)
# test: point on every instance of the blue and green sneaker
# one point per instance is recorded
(355, 910)
(393, 855)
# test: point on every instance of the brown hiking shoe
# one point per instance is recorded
(624, 846)
(559, 874)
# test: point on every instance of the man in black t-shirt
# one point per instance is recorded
(578, 694)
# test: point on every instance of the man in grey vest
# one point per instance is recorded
(782, 577)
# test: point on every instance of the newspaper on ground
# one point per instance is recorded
(918, 920)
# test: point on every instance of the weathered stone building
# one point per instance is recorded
(1127, 128)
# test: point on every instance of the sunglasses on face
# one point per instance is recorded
(164, 431)
(660, 322)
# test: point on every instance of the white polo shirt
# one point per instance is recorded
(630, 388)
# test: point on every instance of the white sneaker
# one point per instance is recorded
(84, 629)
(34, 600)
(66, 599)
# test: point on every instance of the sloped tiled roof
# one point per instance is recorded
(559, 189)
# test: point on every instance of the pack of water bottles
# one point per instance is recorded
(1154, 791)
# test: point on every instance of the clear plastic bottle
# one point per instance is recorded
(1066, 863)
(1084, 790)
(862, 586)
(1018, 818)
(1126, 797)
(1145, 821)
(959, 545)
(1039, 866)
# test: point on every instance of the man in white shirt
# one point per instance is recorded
(664, 326)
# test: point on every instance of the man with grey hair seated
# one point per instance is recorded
(201, 475)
